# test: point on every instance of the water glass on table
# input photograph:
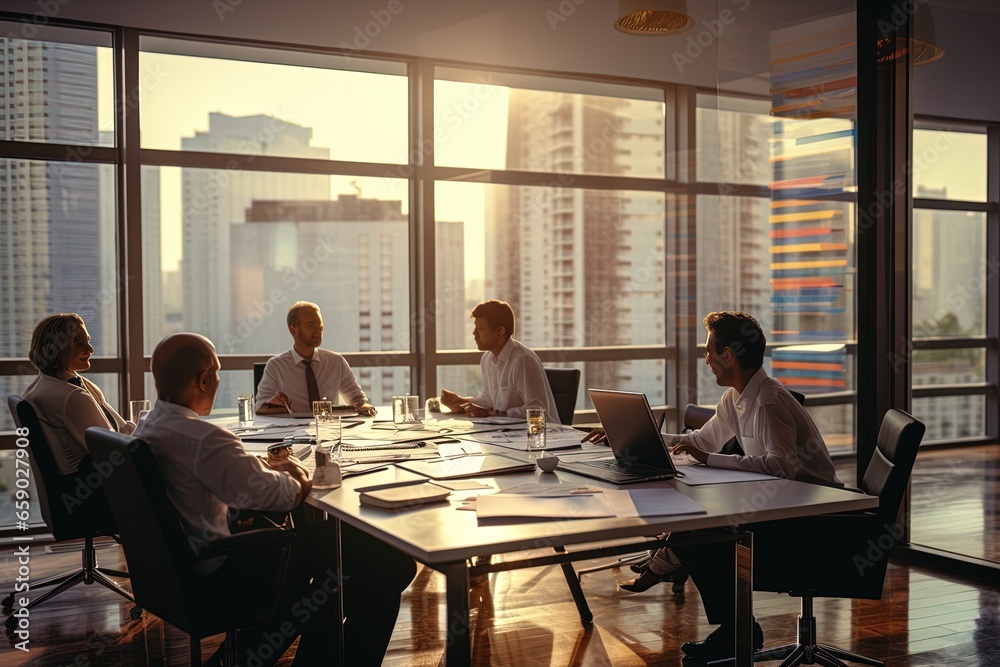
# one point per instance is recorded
(536, 429)
(328, 429)
(404, 409)
(244, 408)
(135, 410)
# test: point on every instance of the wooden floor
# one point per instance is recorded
(528, 618)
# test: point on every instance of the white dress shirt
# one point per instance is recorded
(777, 434)
(514, 381)
(206, 470)
(66, 412)
(286, 372)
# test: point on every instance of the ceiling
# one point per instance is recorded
(727, 49)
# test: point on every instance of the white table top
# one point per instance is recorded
(440, 533)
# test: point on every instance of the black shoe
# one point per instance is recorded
(648, 579)
(640, 567)
(720, 644)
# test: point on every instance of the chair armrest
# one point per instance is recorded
(262, 540)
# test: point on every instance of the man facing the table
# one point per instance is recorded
(513, 377)
(306, 373)
(206, 471)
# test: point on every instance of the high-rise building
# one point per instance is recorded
(581, 267)
(50, 211)
(351, 257)
(215, 201)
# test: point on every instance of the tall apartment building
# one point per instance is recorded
(214, 205)
(948, 300)
(731, 237)
(50, 211)
(581, 267)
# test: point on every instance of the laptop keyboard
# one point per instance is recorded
(634, 470)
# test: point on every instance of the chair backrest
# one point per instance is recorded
(888, 471)
(161, 564)
(696, 416)
(565, 384)
(73, 506)
(258, 374)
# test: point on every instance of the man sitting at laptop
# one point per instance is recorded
(776, 436)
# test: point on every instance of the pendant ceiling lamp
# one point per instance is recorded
(653, 17)
(922, 41)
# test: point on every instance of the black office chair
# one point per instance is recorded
(696, 416)
(162, 558)
(258, 374)
(826, 548)
(72, 509)
(565, 384)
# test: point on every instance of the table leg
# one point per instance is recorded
(744, 600)
(458, 649)
(338, 598)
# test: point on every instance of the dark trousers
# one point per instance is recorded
(375, 575)
(713, 568)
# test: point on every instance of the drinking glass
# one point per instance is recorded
(244, 407)
(536, 429)
(134, 408)
(404, 409)
(328, 429)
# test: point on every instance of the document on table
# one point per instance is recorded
(697, 475)
(586, 504)
(520, 506)
(556, 438)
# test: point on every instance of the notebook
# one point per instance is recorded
(467, 466)
(634, 437)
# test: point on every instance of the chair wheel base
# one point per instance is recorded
(8, 604)
(135, 613)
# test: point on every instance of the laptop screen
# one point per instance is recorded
(632, 431)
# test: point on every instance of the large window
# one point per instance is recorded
(575, 249)
(228, 249)
(58, 220)
(950, 277)
(398, 193)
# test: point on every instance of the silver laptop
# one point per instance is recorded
(634, 437)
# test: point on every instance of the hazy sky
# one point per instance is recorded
(360, 116)
(357, 116)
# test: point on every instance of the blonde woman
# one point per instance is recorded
(66, 402)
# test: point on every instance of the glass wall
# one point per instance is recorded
(613, 214)
(582, 264)
(953, 267)
(58, 225)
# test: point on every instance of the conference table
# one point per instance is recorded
(446, 538)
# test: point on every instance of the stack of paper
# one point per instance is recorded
(403, 497)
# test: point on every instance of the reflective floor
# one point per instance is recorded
(528, 617)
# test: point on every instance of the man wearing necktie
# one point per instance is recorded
(306, 373)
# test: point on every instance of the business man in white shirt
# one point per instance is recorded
(513, 377)
(775, 436)
(306, 373)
